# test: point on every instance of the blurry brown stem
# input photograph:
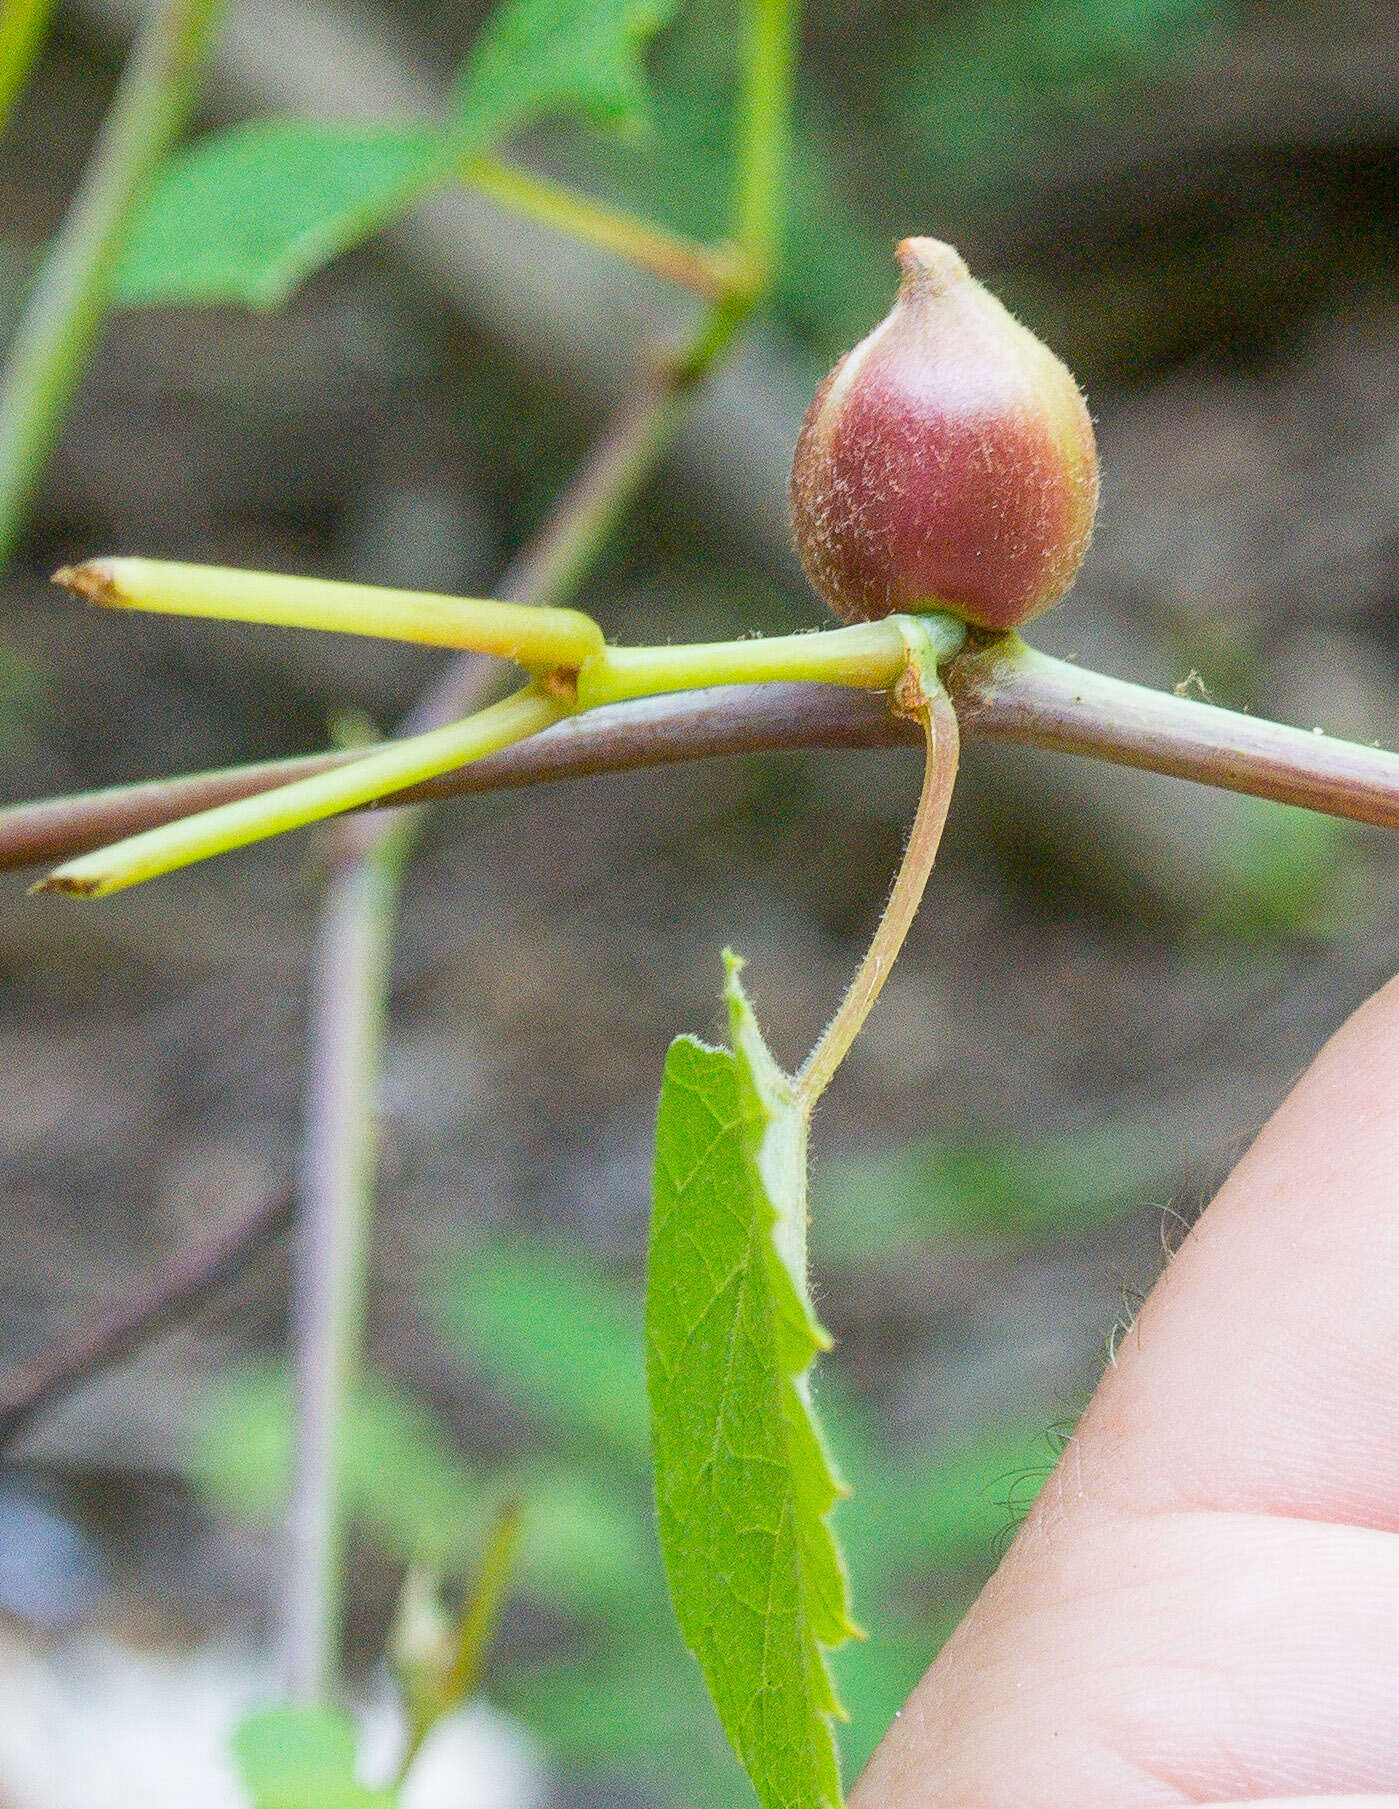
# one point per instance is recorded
(349, 991)
(208, 1264)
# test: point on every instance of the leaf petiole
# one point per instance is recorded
(713, 274)
(919, 694)
(389, 768)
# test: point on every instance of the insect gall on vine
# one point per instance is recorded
(947, 462)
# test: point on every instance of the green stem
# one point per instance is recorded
(869, 655)
(536, 638)
(350, 989)
(769, 70)
(387, 769)
(1002, 691)
(475, 1633)
(69, 300)
(23, 27)
(711, 274)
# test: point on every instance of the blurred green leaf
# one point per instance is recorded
(403, 1482)
(921, 1535)
(940, 1516)
(536, 59)
(1290, 871)
(587, 1546)
(302, 1758)
(838, 276)
(584, 1547)
(638, 1708)
(247, 215)
(981, 87)
(875, 1676)
(1033, 1187)
(743, 1481)
(559, 1334)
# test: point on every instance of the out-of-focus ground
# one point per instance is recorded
(1203, 221)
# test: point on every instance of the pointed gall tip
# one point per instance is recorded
(930, 266)
(94, 580)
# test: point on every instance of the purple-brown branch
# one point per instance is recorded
(1002, 692)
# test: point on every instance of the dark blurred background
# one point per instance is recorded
(1112, 981)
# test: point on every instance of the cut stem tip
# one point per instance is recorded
(93, 581)
(69, 888)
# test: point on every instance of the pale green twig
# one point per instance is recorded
(535, 638)
(50, 349)
(388, 768)
(712, 274)
(768, 78)
(23, 25)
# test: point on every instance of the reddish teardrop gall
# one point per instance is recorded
(947, 462)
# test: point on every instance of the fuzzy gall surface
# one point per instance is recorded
(947, 462)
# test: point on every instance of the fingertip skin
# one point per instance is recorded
(1201, 1605)
(947, 462)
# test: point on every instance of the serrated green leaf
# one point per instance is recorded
(559, 1333)
(537, 58)
(248, 214)
(743, 1481)
(302, 1758)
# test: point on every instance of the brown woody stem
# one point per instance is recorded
(1004, 691)
(1010, 692)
